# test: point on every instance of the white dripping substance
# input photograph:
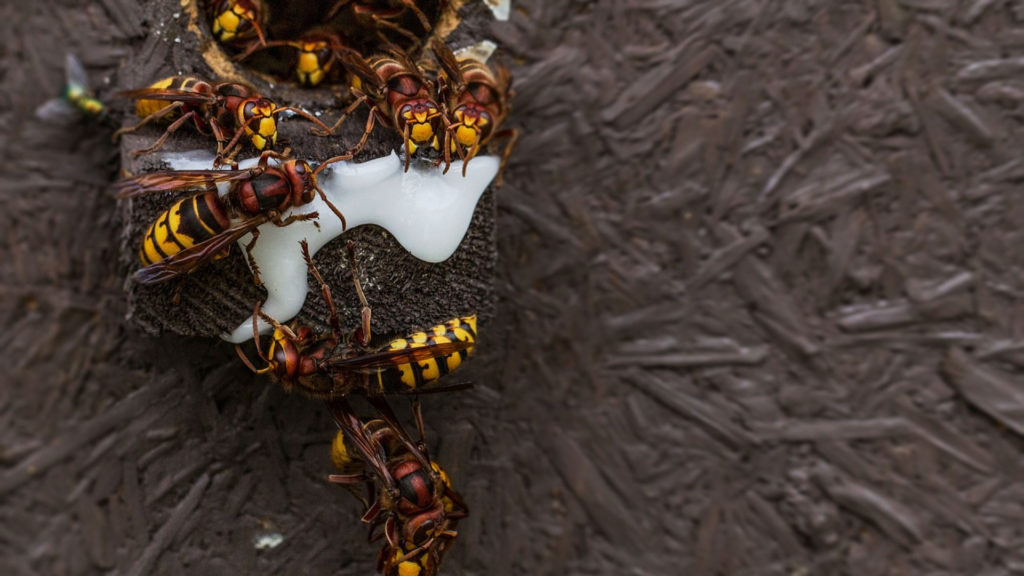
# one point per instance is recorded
(426, 211)
(501, 8)
(482, 51)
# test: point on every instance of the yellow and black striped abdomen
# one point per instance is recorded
(343, 460)
(188, 222)
(313, 62)
(416, 375)
(233, 21)
(146, 106)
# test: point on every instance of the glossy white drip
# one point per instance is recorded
(426, 211)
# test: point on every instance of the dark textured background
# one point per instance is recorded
(759, 313)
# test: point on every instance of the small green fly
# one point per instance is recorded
(76, 100)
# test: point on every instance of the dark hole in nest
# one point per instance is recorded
(368, 27)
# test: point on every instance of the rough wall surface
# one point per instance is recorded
(759, 313)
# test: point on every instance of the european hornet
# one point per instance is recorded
(330, 365)
(315, 54)
(383, 15)
(475, 98)
(233, 203)
(398, 95)
(407, 492)
(237, 21)
(228, 110)
(76, 100)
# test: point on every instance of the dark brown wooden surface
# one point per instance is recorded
(759, 313)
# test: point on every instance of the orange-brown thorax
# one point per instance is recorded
(276, 189)
(291, 359)
(420, 489)
(415, 486)
(476, 101)
(407, 102)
